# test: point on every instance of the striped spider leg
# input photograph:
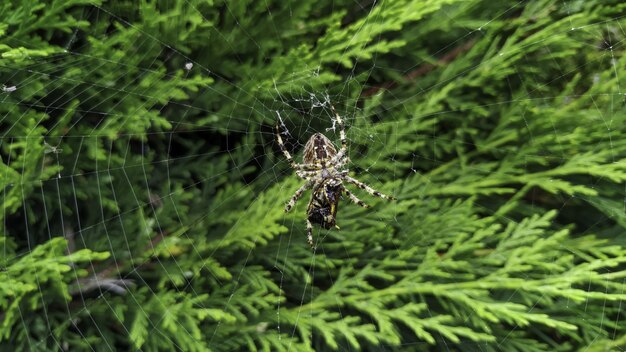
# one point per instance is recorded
(299, 193)
(294, 165)
(367, 188)
(355, 199)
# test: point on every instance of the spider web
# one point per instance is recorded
(156, 228)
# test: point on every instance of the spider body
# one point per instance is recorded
(322, 170)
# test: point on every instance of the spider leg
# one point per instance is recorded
(308, 167)
(283, 149)
(342, 132)
(355, 199)
(299, 193)
(306, 174)
(309, 234)
(367, 188)
(340, 162)
(294, 165)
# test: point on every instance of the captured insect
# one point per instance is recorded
(322, 169)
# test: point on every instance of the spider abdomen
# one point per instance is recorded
(322, 209)
(323, 216)
(318, 148)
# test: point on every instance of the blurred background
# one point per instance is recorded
(142, 187)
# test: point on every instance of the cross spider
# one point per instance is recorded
(321, 170)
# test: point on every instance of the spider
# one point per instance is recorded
(322, 169)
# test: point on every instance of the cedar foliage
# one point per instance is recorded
(142, 201)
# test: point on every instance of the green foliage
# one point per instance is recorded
(143, 191)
